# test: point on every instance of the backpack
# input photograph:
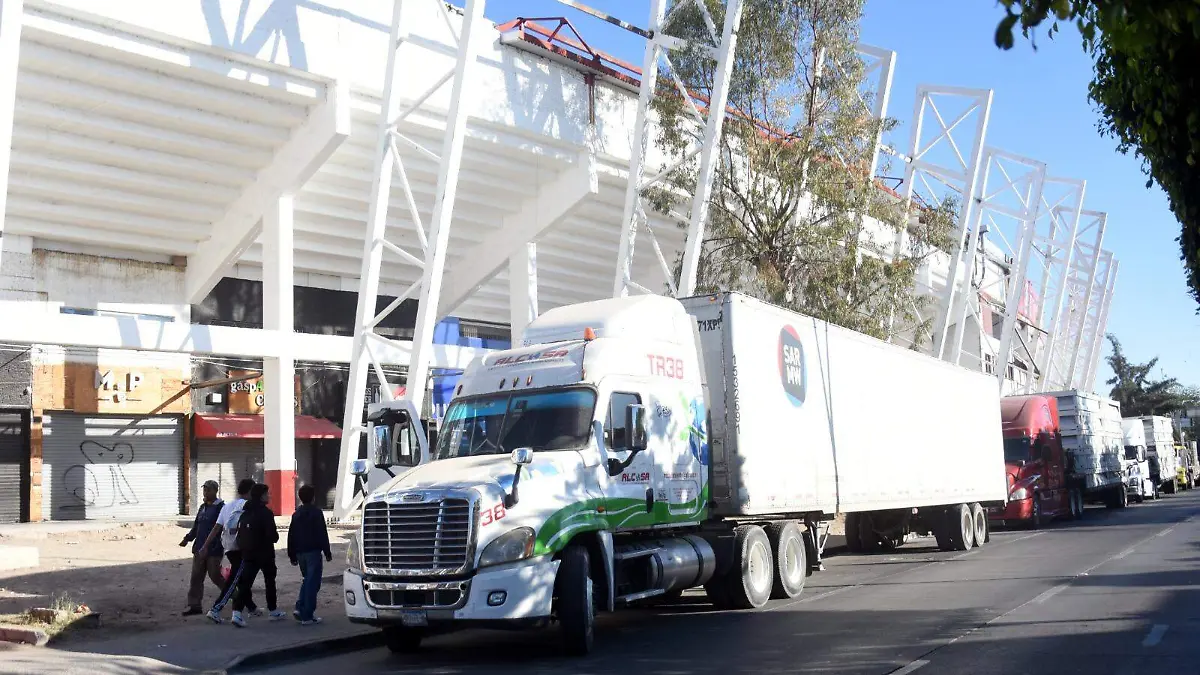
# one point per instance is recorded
(229, 533)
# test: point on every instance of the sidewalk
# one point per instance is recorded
(199, 646)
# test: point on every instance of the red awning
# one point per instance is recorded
(251, 426)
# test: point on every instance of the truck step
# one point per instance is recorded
(641, 595)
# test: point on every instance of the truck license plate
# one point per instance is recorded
(414, 617)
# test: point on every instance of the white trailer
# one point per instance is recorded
(1139, 486)
(637, 447)
(1160, 445)
(1095, 445)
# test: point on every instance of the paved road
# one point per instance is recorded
(1118, 592)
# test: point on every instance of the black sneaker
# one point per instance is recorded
(192, 611)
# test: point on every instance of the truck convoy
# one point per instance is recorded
(1138, 483)
(637, 447)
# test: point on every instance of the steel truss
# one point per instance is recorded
(1094, 351)
(936, 168)
(1081, 312)
(1007, 201)
(1055, 233)
(434, 240)
(659, 44)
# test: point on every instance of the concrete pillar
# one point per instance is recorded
(279, 373)
(522, 288)
(10, 47)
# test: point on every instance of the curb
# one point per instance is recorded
(28, 636)
(304, 651)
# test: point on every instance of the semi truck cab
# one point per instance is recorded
(548, 458)
(1034, 462)
(1139, 484)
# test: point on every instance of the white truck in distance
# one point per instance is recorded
(638, 447)
(1138, 483)
(1160, 445)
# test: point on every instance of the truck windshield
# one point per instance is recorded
(500, 423)
(1018, 449)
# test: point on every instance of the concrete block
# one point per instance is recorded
(18, 557)
(24, 635)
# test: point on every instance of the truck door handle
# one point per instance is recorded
(649, 500)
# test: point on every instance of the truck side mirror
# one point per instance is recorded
(394, 440)
(635, 427)
(360, 467)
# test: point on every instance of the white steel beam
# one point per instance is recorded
(43, 323)
(1101, 327)
(707, 148)
(538, 214)
(1066, 218)
(885, 64)
(431, 260)
(1093, 258)
(327, 126)
(11, 17)
(279, 373)
(523, 292)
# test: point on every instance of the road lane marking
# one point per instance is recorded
(1050, 593)
(1155, 635)
(910, 668)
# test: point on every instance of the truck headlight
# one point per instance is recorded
(509, 547)
(354, 553)
(1019, 494)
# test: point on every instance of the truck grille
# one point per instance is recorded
(430, 538)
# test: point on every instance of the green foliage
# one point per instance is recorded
(1138, 394)
(785, 221)
(1146, 87)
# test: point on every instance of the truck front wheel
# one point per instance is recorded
(575, 608)
(402, 639)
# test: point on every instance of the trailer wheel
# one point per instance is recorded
(981, 524)
(576, 610)
(853, 539)
(402, 639)
(791, 559)
(747, 585)
(962, 530)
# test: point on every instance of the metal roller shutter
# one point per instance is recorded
(99, 467)
(13, 454)
(228, 461)
(304, 463)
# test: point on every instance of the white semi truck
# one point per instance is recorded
(637, 447)
(1160, 444)
(1139, 486)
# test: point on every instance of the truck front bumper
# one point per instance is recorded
(505, 593)
(1018, 510)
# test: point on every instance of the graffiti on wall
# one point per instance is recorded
(100, 482)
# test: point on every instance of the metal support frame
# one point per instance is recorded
(1060, 211)
(659, 44)
(11, 17)
(1009, 194)
(427, 289)
(1091, 263)
(1101, 327)
(1090, 325)
(941, 160)
(882, 63)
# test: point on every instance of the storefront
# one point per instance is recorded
(108, 430)
(229, 446)
(15, 383)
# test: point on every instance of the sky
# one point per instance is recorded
(1039, 109)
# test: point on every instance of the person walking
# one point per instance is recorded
(206, 553)
(226, 531)
(308, 540)
(256, 539)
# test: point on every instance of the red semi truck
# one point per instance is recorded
(1035, 462)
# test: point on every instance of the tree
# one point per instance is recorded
(786, 217)
(1138, 394)
(1146, 87)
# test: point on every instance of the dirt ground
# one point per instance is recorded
(136, 576)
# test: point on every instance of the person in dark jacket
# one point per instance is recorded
(206, 553)
(308, 539)
(256, 539)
